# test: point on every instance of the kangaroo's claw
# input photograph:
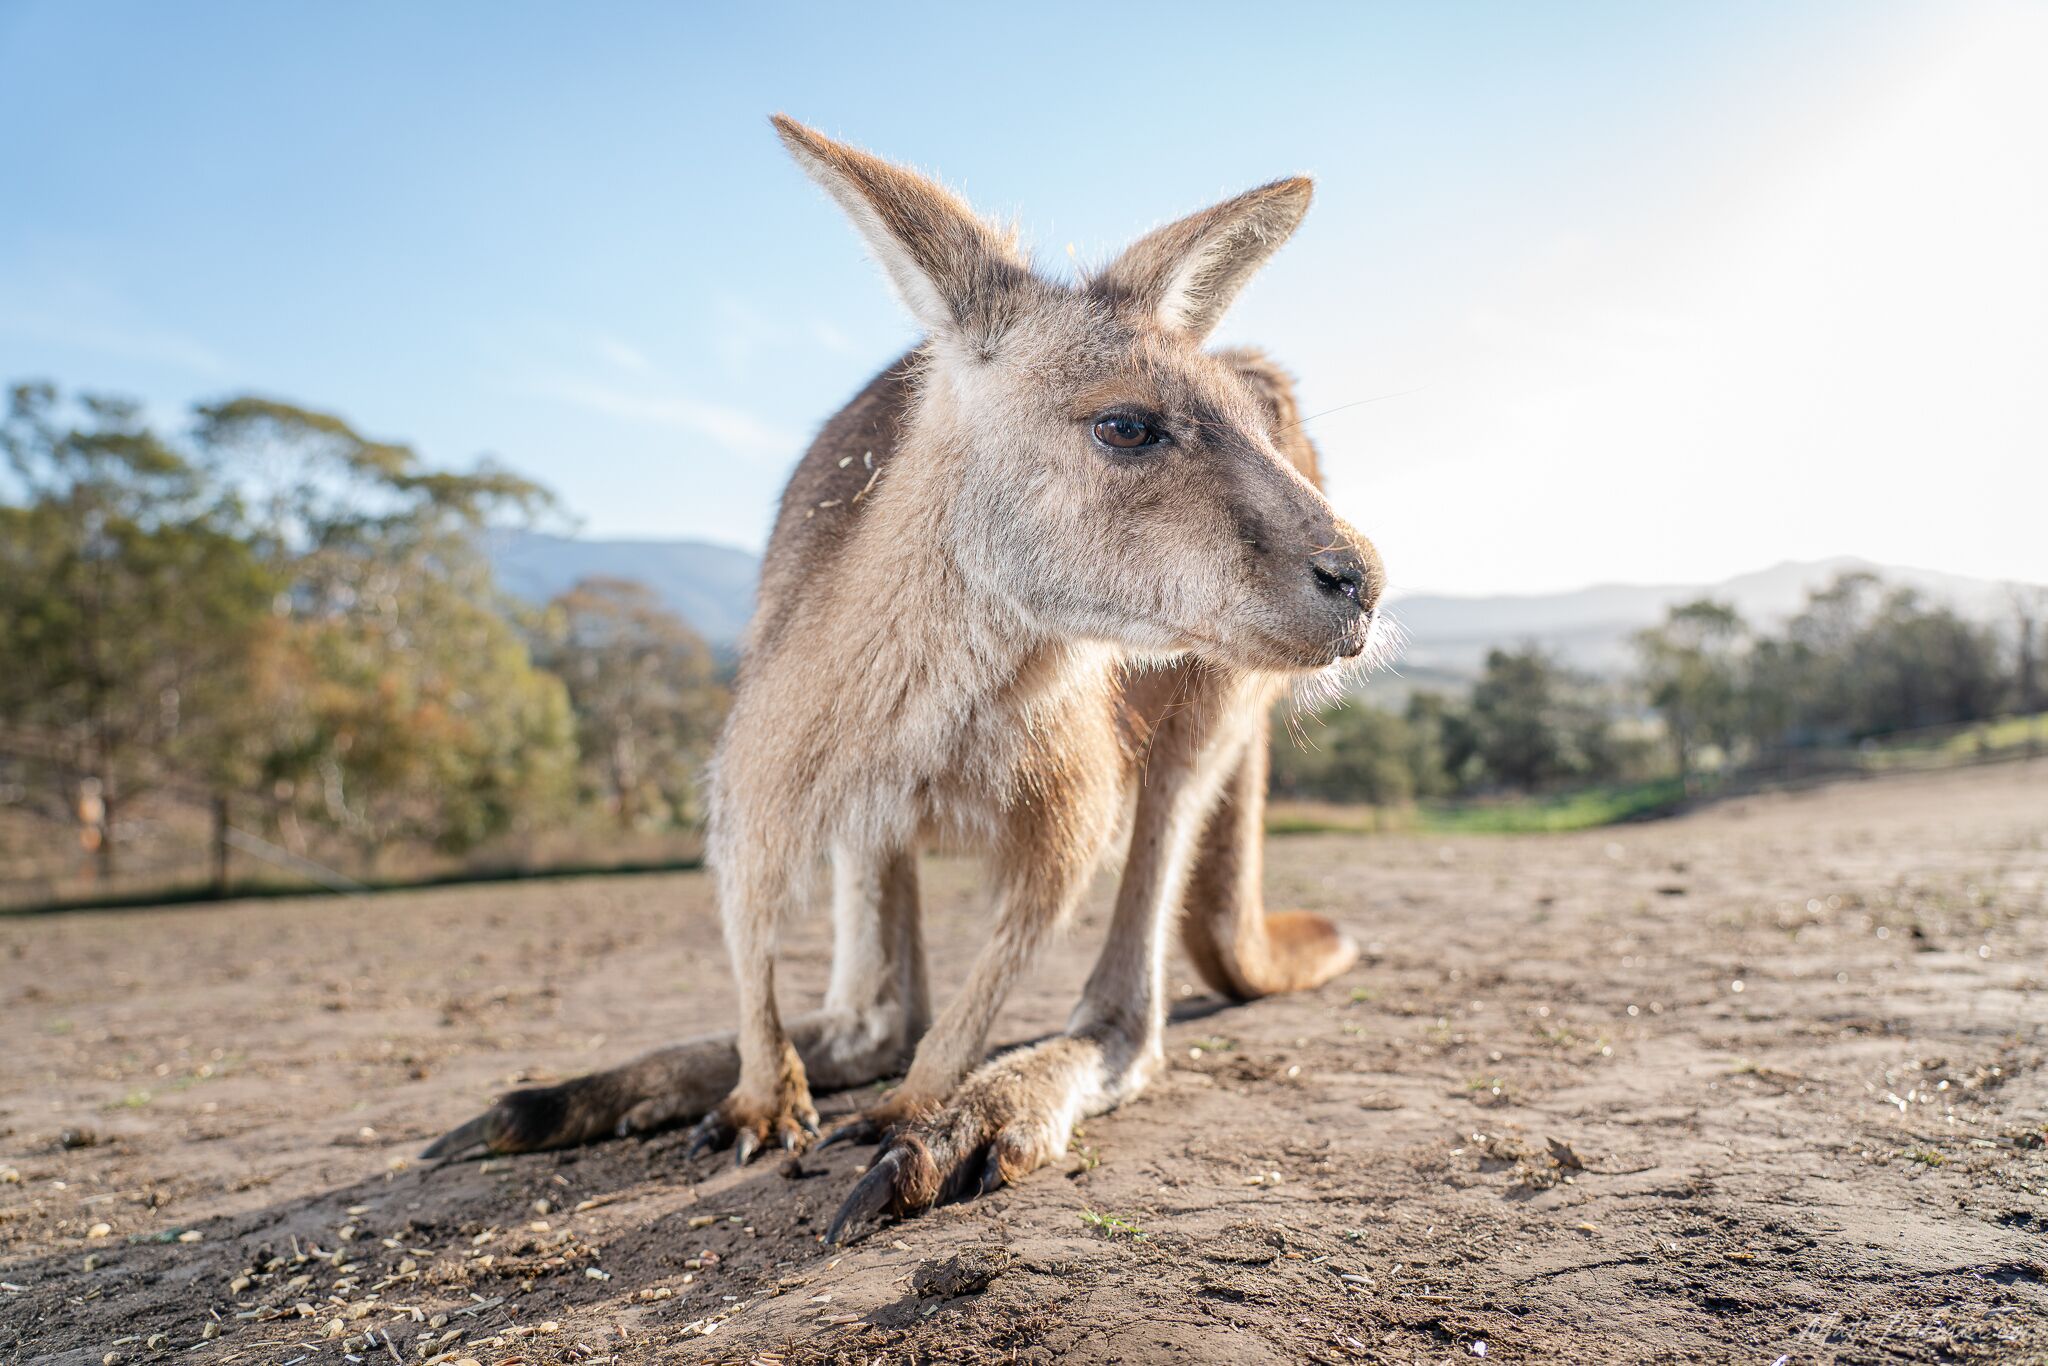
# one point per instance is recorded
(860, 1130)
(875, 1193)
(459, 1141)
(992, 1174)
(1006, 1121)
(749, 1127)
(711, 1132)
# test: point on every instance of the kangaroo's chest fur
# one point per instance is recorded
(884, 702)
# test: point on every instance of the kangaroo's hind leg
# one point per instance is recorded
(1240, 949)
(876, 1009)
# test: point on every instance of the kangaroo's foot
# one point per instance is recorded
(1007, 1120)
(1305, 950)
(659, 1089)
(748, 1122)
(1245, 955)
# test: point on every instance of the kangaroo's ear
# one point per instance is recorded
(1186, 273)
(951, 270)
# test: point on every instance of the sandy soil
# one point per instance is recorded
(1762, 1084)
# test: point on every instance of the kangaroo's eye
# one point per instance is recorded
(1122, 432)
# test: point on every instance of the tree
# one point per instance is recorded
(1921, 665)
(645, 694)
(1352, 752)
(1439, 743)
(1816, 664)
(405, 703)
(1692, 674)
(128, 606)
(1536, 723)
(2029, 609)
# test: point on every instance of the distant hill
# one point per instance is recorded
(712, 588)
(709, 586)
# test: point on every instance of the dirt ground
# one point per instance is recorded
(1762, 1084)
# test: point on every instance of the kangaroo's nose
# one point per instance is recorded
(1341, 572)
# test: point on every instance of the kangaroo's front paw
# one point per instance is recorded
(1007, 1120)
(747, 1127)
(748, 1123)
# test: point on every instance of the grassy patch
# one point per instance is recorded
(1111, 1226)
(1336, 818)
(1585, 809)
(1986, 737)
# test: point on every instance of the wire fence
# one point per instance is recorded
(173, 845)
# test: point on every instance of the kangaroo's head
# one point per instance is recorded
(1102, 473)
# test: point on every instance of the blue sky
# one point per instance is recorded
(1641, 291)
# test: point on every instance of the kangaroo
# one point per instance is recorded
(1038, 584)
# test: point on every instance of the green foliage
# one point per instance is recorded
(423, 720)
(128, 607)
(1536, 725)
(646, 698)
(1958, 744)
(1355, 753)
(1530, 725)
(1692, 673)
(1112, 1225)
(1537, 746)
(403, 705)
(1583, 809)
(1861, 660)
(287, 613)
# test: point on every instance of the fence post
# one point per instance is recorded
(220, 844)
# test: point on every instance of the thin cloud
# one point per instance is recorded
(831, 338)
(142, 343)
(624, 356)
(730, 427)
